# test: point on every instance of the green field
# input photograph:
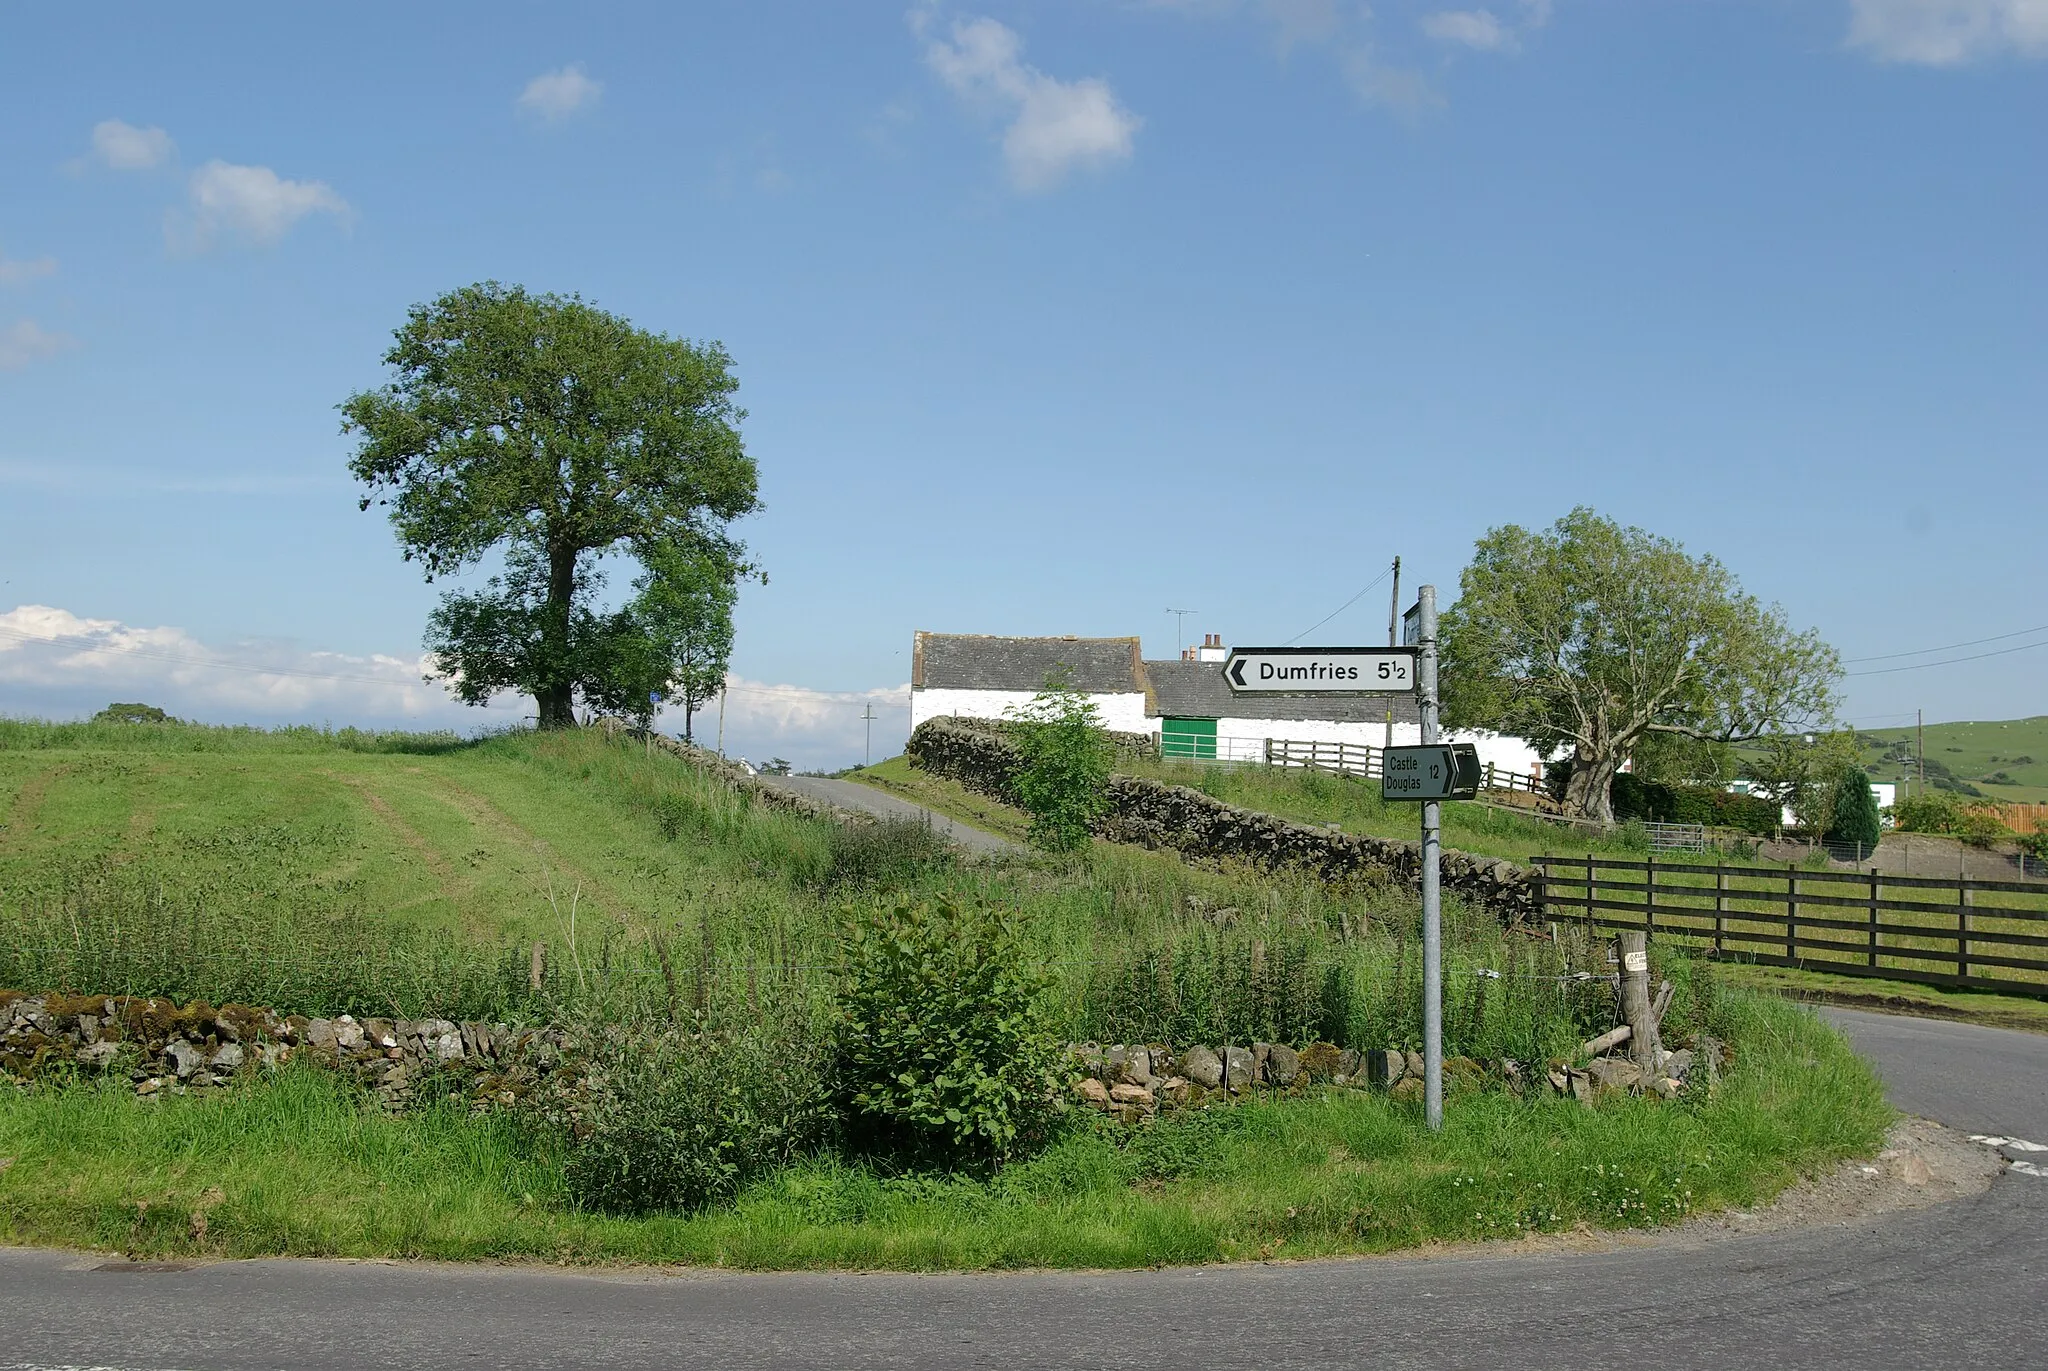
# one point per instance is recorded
(322, 872)
(2007, 759)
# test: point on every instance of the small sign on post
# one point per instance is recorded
(1441, 771)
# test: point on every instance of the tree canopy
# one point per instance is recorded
(556, 435)
(1590, 638)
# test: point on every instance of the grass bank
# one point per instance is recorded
(301, 1167)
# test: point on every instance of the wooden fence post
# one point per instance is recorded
(1873, 917)
(1591, 913)
(1791, 914)
(1720, 906)
(537, 965)
(1650, 895)
(1962, 927)
(1644, 1043)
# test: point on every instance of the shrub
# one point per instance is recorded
(1854, 817)
(1982, 828)
(131, 714)
(678, 1117)
(1064, 760)
(893, 852)
(1929, 811)
(944, 1053)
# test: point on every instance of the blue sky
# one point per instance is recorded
(1049, 316)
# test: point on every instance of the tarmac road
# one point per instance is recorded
(1960, 1285)
(854, 795)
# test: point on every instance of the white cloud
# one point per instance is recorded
(14, 273)
(124, 147)
(253, 204)
(556, 95)
(1055, 125)
(1404, 92)
(1303, 21)
(1946, 33)
(26, 341)
(59, 663)
(1472, 28)
(63, 658)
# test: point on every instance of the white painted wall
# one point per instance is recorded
(1124, 713)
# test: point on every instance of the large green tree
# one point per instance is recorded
(555, 435)
(1589, 638)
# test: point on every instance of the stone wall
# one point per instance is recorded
(1198, 825)
(161, 1046)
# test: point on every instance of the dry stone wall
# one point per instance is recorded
(161, 1046)
(1179, 817)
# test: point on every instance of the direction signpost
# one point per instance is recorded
(1431, 773)
(1320, 670)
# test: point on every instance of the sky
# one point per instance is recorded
(1050, 316)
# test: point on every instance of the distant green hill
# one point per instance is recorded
(2003, 759)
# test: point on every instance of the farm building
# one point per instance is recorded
(1185, 704)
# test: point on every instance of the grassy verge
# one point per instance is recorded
(300, 1167)
(1896, 997)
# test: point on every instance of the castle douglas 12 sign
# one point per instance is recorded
(1321, 670)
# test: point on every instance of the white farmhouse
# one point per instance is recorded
(1186, 705)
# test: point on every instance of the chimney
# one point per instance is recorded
(1212, 649)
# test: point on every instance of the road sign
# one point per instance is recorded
(1321, 670)
(1439, 771)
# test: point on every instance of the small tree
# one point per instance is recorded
(1063, 773)
(1855, 818)
(1802, 772)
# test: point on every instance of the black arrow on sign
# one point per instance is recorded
(1235, 672)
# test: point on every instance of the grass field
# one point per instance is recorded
(2007, 759)
(321, 872)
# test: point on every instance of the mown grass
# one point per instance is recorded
(301, 1166)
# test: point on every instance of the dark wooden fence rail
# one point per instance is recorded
(1982, 935)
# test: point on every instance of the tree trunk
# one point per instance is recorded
(1586, 793)
(556, 699)
(689, 718)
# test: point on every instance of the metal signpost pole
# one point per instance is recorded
(1432, 886)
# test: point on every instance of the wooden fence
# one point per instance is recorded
(1981, 935)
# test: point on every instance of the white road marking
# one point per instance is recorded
(2007, 1146)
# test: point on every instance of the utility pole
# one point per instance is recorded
(1180, 618)
(1393, 634)
(867, 756)
(1920, 745)
(721, 718)
(1432, 882)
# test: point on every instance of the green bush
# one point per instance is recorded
(1980, 828)
(1659, 802)
(678, 1117)
(1064, 758)
(944, 1052)
(1930, 811)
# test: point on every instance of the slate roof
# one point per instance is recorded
(979, 661)
(1197, 690)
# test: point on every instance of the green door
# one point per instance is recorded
(1191, 738)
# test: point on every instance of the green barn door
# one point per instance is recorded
(1192, 738)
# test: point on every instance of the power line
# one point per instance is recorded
(1922, 652)
(1953, 661)
(1340, 608)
